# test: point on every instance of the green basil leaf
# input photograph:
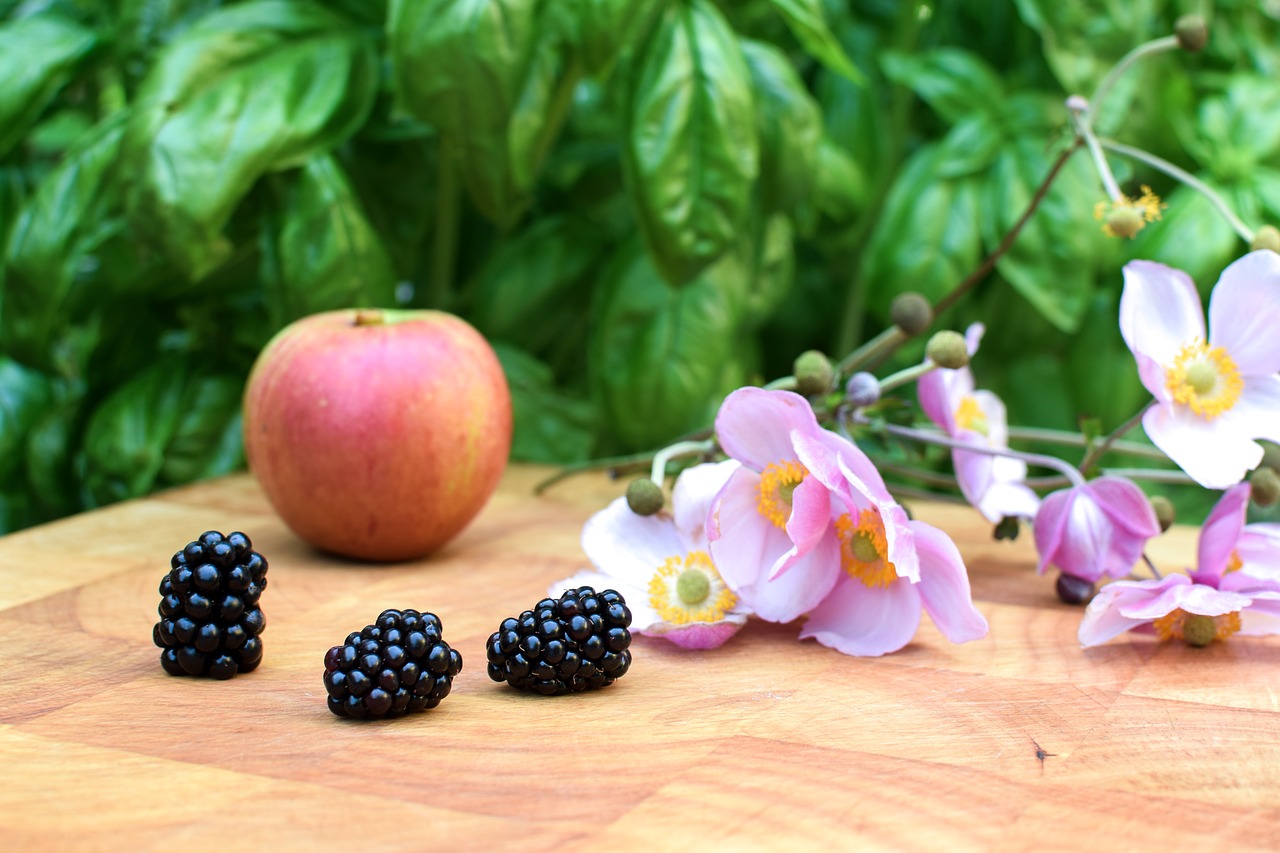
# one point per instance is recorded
(169, 424)
(773, 269)
(530, 292)
(606, 28)
(1054, 260)
(328, 255)
(788, 124)
(526, 145)
(24, 395)
(49, 447)
(1103, 378)
(808, 22)
(396, 182)
(74, 210)
(928, 236)
(691, 153)
(250, 89)
(954, 82)
(972, 145)
(38, 56)
(1082, 40)
(462, 65)
(662, 357)
(550, 426)
(840, 186)
(1236, 131)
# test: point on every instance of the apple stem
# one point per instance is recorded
(369, 317)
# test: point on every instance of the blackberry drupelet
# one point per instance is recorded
(576, 642)
(210, 620)
(397, 665)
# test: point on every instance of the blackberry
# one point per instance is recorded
(397, 665)
(209, 615)
(564, 645)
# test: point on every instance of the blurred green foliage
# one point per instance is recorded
(642, 203)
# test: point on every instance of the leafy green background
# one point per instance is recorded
(642, 203)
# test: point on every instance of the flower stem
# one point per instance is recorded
(881, 345)
(1075, 439)
(1037, 459)
(1150, 48)
(1095, 451)
(658, 473)
(907, 374)
(1085, 132)
(988, 263)
(1151, 475)
(1151, 566)
(1245, 232)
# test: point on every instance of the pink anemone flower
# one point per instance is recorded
(994, 485)
(1215, 393)
(885, 571)
(1212, 602)
(661, 564)
(1228, 545)
(772, 521)
(1095, 529)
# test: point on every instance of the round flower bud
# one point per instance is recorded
(1007, 528)
(1199, 631)
(947, 349)
(1073, 590)
(862, 389)
(1165, 513)
(1192, 33)
(1265, 486)
(1124, 222)
(1267, 237)
(911, 312)
(813, 373)
(644, 496)
(1077, 103)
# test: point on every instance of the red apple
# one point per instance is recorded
(377, 434)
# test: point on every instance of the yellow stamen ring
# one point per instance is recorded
(864, 549)
(778, 483)
(1196, 629)
(689, 589)
(969, 415)
(1204, 378)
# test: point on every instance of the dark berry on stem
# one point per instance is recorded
(576, 642)
(1074, 590)
(398, 665)
(209, 622)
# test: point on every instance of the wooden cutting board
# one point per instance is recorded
(1019, 741)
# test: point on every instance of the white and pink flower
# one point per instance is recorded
(994, 485)
(662, 566)
(1217, 392)
(1096, 529)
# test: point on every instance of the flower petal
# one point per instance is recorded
(856, 461)
(974, 471)
(1220, 532)
(754, 425)
(935, 392)
(1259, 550)
(1191, 597)
(1013, 500)
(993, 409)
(810, 519)
(1212, 459)
(691, 499)
(698, 635)
(1125, 505)
(800, 588)
(944, 586)
(1159, 311)
(1244, 312)
(627, 546)
(1050, 527)
(1103, 618)
(865, 621)
(742, 542)
(1257, 413)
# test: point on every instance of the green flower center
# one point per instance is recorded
(693, 586)
(1199, 630)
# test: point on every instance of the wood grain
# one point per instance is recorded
(766, 743)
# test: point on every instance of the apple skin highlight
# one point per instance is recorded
(377, 435)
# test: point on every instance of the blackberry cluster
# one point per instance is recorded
(398, 665)
(209, 615)
(564, 645)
